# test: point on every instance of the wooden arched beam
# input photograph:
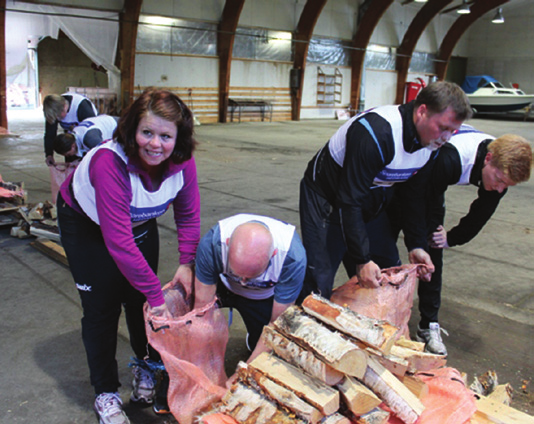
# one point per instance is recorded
(225, 45)
(3, 65)
(412, 35)
(128, 22)
(458, 29)
(361, 38)
(302, 36)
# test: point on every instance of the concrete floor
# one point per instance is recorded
(488, 298)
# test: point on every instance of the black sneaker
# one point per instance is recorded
(161, 406)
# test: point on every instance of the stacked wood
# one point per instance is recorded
(377, 334)
(330, 365)
(329, 346)
(298, 356)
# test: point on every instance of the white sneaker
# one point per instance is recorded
(108, 409)
(143, 386)
(432, 339)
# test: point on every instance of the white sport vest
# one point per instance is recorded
(145, 205)
(71, 119)
(466, 141)
(105, 123)
(403, 165)
(282, 236)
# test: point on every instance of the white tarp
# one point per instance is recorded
(94, 32)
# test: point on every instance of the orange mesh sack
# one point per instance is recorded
(192, 345)
(392, 301)
(448, 400)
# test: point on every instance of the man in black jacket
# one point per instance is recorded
(349, 183)
(492, 165)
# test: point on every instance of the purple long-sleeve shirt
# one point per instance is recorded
(109, 176)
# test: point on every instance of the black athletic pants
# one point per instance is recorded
(103, 291)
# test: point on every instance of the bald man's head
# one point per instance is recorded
(250, 250)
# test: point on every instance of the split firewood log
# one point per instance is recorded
(296, 355)
(417, 386)
(335, 418)
(490, 411)
(311, 389)
(280, 394)
(357, 397)
(375, 333)
(376, 416)
(410, 344)
(503, 393)
(396, 395)
(419, 361)
(248, 406)
(330, 346)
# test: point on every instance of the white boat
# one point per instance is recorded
(486, 94)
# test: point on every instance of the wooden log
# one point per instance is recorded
(293, 353)
(395, 394)
(52, 249)
(375, 333)
(410, 344)
(417, 386)
(376, 416)
(499, 413)
(217, 418)
(397, 366)
(248, 406)
(280, 394)
(502, 394)
(311, 389)
(419, 361)
(328, 345)
(335, 418)
(358, 398)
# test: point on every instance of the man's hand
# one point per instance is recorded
(369, 275)
(49, 160)
(438, 239)
(185, 274)
(420, 256)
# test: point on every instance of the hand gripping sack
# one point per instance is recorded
(192, 345)
(58, 174)
(392, 301)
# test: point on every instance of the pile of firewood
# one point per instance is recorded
(330, 365)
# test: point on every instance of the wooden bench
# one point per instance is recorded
(240, 105)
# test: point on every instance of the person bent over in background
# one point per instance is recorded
(67, 110)
(82, 138)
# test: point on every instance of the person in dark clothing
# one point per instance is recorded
(67, 110)
(349, 183)
(470, 158)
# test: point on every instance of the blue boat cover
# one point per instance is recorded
(472, 84)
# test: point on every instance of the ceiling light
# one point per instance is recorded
(420, 1)
(498, 18)
(464, 8)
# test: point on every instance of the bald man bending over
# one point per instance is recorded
(254, 264)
